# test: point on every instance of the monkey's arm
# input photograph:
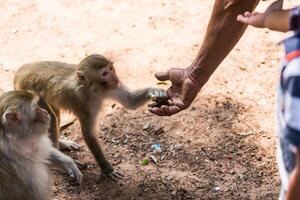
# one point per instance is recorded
(137, 98)
(61, 161)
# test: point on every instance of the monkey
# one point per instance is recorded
(26, 152)
(80, 89)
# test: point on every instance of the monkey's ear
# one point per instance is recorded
(12, 117)
(81, 77)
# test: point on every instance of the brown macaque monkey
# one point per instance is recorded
(26, 150)
(80, 89)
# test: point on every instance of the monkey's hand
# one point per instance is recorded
(61, 161)
(112, 175)
(68, 145)
(158, 96)
(74, 173)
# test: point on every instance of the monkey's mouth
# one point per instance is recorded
(104, 84)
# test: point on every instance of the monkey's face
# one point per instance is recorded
(40, 115)
(108, 77)
(24, 118)
(34, 118)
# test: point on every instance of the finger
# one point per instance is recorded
(165, 109)
(247, 14)
(118, 175)
(71, 174)
(157, 111)
(170, 102)
(243, 19)
(152, 104)
(162, 94)
(162, 76)
(111, 177)
(174, 110)
(79, 178)
(170, 110)
(154, 94)
(80, 165)
(75, 146)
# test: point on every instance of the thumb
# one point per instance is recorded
(162, 76)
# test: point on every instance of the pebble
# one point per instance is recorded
(14, 31)
(146, 126)
(178, 146)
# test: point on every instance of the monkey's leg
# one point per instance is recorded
(61, 161)
(64, 144)
(54, 129)
(87, 126)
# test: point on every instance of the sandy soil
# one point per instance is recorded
(222, 147)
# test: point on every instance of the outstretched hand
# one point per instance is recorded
(180, 95)
(257, 19)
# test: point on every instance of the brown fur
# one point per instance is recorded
(26, 150)
(80, 89)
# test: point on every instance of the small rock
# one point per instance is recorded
(153, 159)
(114, 141)
(125, 141)
(146, 126)
(174, 192)
(193, 108)
(159, 131)
(259, 158)
(217, 189)
(14, 31)
(117, 155)
(243, 68)
(178, 147)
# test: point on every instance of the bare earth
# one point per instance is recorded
(222, 147)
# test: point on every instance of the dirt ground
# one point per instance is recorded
(222, 147)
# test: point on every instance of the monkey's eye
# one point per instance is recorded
(104, 73)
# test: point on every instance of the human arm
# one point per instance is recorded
(294, 183)
(223, 32)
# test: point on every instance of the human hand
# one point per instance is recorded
(180, 95)
(257, 19)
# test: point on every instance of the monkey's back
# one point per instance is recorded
(39, 75)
